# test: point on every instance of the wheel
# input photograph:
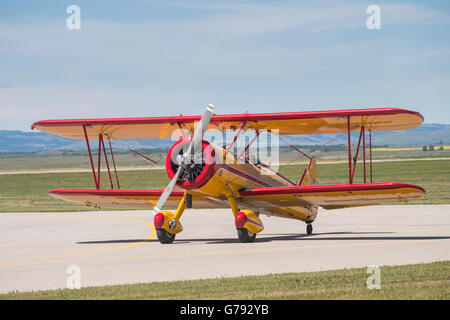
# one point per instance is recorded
(309, 229)
(164, 236)
(246, 236)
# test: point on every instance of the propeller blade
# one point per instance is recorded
(201, 128)
(167, 191)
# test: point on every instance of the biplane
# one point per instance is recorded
(212, 176)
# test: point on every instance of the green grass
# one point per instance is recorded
(28, 192)
(57, 160)
(80, 159)
(419, 281)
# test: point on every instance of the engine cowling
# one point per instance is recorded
(198, 171)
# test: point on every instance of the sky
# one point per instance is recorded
(138, 58)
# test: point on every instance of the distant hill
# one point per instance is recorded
(19, 141)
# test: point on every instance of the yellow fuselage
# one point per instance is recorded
(228, 175)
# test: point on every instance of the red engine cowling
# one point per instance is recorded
(196, 173)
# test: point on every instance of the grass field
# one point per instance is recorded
(419, 281)
(59, 159)
(28, 192)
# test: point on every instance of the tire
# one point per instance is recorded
(246, 236)
(164, 236)
(309, 229)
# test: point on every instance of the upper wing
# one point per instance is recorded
(288, 123)
(332, 196)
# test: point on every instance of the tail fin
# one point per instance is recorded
(310, 175)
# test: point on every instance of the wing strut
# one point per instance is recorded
(355, 159)
(370, 146)
(101, 147)
(90, 156)
(352, 168)
(349, 153)
(114, 163)
(241, 127)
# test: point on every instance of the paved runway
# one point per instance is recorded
(120, 247)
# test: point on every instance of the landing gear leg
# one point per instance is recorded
(169, 225)
(243, 218)
(309, 228)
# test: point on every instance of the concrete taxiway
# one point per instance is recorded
(37, 249)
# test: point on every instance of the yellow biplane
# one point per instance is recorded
(213, 176)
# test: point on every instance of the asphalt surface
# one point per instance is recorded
(38, 249)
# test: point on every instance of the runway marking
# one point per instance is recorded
(151, 236)
(212, 252)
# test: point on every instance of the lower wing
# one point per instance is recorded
(326, 196)
(136, 198)
(333, 196)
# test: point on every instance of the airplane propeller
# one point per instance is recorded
(185, 159)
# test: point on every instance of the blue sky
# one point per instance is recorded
(157, 58)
